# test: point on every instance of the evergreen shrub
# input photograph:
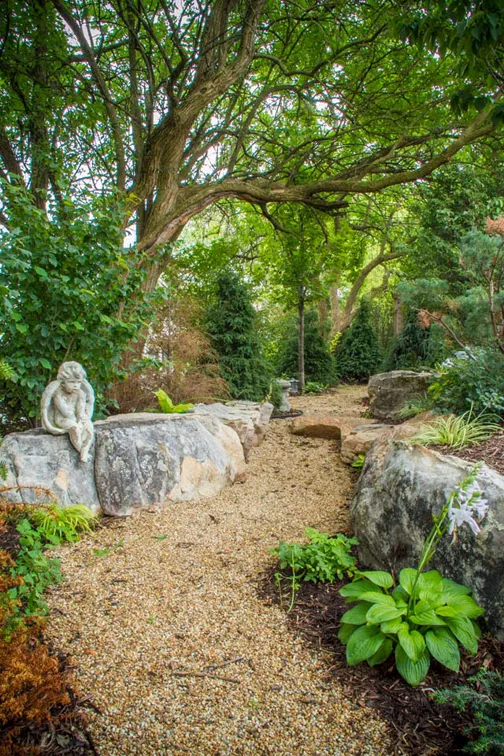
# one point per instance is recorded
(232, 326)
(358, 354)
(319, 362)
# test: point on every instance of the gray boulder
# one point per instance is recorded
(399, 489)
(38, 459)
(139, 461)
(248, 419)
(390, 392)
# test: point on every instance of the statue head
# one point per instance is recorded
(71, 374)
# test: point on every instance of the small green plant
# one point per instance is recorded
(36, 570)
(312, 387)
(274, 394)
(415, 407)
(458, 432)
(166, 405)
(484, 698)
(59, 524)
(425, 615)
(358, 462)
(322, 560)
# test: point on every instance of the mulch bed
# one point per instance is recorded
(490, 451)
(419, 726)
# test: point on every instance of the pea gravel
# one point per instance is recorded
(170, 638)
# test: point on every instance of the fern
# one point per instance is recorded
(58, 524)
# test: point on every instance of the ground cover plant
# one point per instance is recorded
(37, 702)
(457, 432)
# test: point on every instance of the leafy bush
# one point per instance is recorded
(319, 362)
(166, 405)
(485, 700)
(36, 570)
(423, 616)
(275, 394)
(474, 376)
(312, 387)
(232, 326)
(457, 432)
(58, 524)
(358, 351)
(67, 291)
(323, 559)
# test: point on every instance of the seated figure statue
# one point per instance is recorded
(67, 407)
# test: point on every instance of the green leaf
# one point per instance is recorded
(443, 647)
(40, 271)
(407, 578)
(45, 363)
(379, 577)
(465, 605)
(431, 580)
(345, 632)
(462, 629)
(391, 626)
(382, 654)
(362, 644)
(451, 587)
(357, 615)
(382, 613)
(378, 598)
(447, 611)
(355, 589)
(413, 672)
(412, 642)
(22, 328)
(428, 617)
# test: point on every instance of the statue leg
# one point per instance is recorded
(75, 437)
(87, 440)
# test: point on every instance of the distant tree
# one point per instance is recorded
(414, 347)
(358, 352)
(318, 361)
(232, 326)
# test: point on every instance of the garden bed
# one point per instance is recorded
(491, 452)
(418, 725)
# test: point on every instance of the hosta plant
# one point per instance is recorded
(425, 615)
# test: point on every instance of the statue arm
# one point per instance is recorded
(45, 403)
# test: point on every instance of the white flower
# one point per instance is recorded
(461, 514)
(481, 507)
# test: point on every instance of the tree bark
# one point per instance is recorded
(301, 337)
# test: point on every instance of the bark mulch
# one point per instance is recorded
(419, 727)
(490, 451)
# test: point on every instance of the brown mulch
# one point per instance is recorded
(490, 451)
(419, 727)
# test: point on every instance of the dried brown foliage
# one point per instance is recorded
(191, 371)
(495, 226)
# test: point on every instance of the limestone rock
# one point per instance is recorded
(399, 489)
(248, 419)
(36, 458)
(390, 392)
(324, 426)
(145, 460)
(360, 438)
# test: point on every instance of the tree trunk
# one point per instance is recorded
(398, 315)
(301, 329)
(335, 299)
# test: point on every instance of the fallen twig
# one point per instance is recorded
(205, 674)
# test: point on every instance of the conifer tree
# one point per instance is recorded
(232, 326)
(319, 362)
(358, 351)
(413, 347)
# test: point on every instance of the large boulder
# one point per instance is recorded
(390, 392)
(324, 426)
(142, 460)
(359, 438)
(400, 487)
(248, 419)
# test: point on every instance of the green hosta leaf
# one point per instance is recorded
(462, 629)
(362, 644)
(345, 632)
(432, 599)
(443, 647)
(412, 642)
(431, 581)
(465, 605)
(428, 617)
(447, 611)
(357, 615)
(476, 629)
(379, 577)
(413, 672)
(355, 589)
(382, 613)
(400, 595)
(449, 586)
(391, 626)
(382, 654)
(407, 578)
(378, 598)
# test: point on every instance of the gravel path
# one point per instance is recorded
(162, 617)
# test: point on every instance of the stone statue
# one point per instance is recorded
(67, 407)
